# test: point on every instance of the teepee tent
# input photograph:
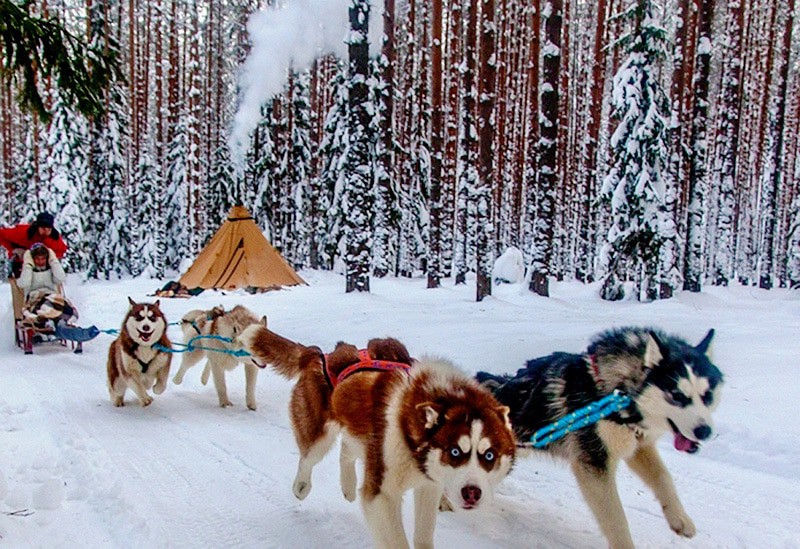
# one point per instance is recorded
(239, 256)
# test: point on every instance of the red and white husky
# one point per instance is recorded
(133, 361)
(429, 428)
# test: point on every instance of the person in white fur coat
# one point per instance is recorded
(41, 275)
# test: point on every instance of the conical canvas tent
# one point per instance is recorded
(238, 256)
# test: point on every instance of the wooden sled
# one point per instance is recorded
(24, 335)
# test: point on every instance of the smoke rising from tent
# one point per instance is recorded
(292, 34)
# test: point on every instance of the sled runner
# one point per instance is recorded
(26, 333)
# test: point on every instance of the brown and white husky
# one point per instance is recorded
(417, 425)
(133, 359)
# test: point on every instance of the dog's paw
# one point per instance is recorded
(224, 403)
(159, 388)
(445, 505)
(178, 379)
(349, 489)
(251, 406)
(118, 402)
(301, 488)
(680, 523)
(146, 401)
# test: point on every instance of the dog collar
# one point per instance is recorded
(365, 363)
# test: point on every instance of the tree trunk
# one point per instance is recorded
(548, 147)
(483, 191)
(386, 218)
(692, 269)
(584, 270)
(437, 152)
(772, 187)
(469, 144)
(729, 141)
(358, 174)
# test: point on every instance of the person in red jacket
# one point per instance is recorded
(19, 238)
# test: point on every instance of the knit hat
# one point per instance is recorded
(44, 219)
(39, 250)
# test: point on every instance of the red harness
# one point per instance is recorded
(364, 363)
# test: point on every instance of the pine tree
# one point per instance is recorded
(35, 48)
(635, 187)
(222, 189)
(329, 190)
(67, 145)
(358, 176)
(147, 201)
(300, 164)
(176, 207)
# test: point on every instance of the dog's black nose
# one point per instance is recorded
(702, 432)
(471, 494)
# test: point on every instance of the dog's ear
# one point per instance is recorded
(655, 351)
(703, 346)
(430, 413)
(131, 301)
(504, 412)
(157, 304)
(264, 321)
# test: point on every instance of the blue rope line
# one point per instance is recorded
(588, 415)
(189, 346)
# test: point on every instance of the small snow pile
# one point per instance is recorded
(509, 267)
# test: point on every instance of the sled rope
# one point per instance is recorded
(190, 346)
(588, 415)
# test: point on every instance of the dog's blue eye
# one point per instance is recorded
(488, 455)
(455, 451)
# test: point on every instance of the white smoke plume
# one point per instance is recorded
(294, 33)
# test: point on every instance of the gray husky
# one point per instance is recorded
(674, 388)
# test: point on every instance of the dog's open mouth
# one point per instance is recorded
(683, 444)
(145, 336)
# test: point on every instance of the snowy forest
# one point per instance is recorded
(649, 145)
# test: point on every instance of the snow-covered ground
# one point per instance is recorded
(77, 472)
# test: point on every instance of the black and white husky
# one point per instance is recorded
(674, 388)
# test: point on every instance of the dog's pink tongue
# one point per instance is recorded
(683, 444)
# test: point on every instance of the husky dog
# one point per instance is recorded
(674, 388)
(227, 324)
(429, 428)
(133, 361)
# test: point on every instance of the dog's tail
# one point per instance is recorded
(345, 354)
(287, 357)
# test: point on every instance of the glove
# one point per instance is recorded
(27, 258)
(51, 256)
